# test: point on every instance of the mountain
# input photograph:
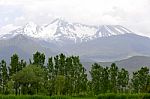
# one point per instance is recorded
(22, 45)
(91, 43)
(111, 48)
(61, 31)
(132, 64)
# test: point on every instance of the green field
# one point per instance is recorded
(102, 96)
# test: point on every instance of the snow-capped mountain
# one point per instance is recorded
(59, 30)
(91, 43)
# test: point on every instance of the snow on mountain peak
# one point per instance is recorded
(60, 29)
(30, 28)
(30, 25)
(110, 30)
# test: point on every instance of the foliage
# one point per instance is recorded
(29, 80)
(105, 79)
(141, 80)
(65, 75)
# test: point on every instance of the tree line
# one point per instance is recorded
(65, 75)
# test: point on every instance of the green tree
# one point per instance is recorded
(16, 66)
(72, 71)
(39, 59)
(69, 79)
(96, 74)
(135, 82)
(31, 79)
(79, 75)
(4, 75)
(113, 74)
(140, 80)
(14, 69)
(59, 84)
(123, 80)
(50, 76)
(14, 63)
(62, 59)
(50, 68)
(105, 80)
(56, 64)
(21, 65)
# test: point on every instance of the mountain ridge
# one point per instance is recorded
(132, 63)
(59, 29)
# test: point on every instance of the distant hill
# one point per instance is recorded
(131, 64)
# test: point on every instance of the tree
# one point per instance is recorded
(105, 80)
(16, 66)
(135, 82)
(56, 65)
(69, 78)
(31, 79)
(14, 63)
(65, 75)
(3, 75)
(39, 59)
(59, 84)
(71, 69)
(141, 80)
(122, 80)
(50, 77)
(62, 59)
(113, 73)
(21, 65)
(96, 74)
(79, 75)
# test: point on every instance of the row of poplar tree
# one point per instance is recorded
(65, 75)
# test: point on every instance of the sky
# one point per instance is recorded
(132, 14)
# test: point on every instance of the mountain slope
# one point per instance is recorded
(131, 64)
(111, 48)
(22, 45)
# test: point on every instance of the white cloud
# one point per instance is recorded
(133, 14)
(6, 19)
(20, 18)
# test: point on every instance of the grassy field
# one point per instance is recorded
(102, 96)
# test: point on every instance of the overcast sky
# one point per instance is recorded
(133, 14)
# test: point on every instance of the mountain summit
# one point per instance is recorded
(59, 30)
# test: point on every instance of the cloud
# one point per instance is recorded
(133, 14)
(6, 19)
